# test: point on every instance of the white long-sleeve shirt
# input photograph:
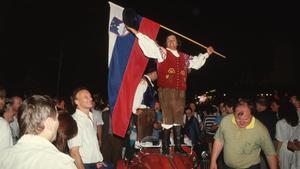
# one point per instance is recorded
(34, 152)
(139, 93)
(5, 135)
(152, 50)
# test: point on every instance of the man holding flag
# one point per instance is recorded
(127, 62)
(172, 75)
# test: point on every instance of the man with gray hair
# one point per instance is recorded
(39, 123)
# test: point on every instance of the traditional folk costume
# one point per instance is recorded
(172, 71)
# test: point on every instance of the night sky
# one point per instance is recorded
(260, 41)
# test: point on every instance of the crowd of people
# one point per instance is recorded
(40, 132)
(239, 133)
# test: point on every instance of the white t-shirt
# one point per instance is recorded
(97, 115)
(34, 152)
(5, 135)
(86, 138)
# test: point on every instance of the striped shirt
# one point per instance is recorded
(208, 123)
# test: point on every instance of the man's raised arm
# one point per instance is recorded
(196, 62)
(149, 47)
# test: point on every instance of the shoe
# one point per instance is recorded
(177, 140)
(166, 142)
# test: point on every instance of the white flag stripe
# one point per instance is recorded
(115, 11)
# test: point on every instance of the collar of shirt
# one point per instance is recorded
(149, 80)
(105, 109)
(82, 114)
(174, 52)
(37, 143)
(250, 125)
(38, 140)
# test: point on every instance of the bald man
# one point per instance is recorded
(243, 137)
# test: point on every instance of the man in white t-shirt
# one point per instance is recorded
(84, 147)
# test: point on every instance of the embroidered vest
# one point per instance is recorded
(172, 72)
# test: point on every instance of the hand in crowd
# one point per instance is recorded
(293, 145)
(215, 127)
(99, 165)
(213, 165)
(210, 50)
(132, 30)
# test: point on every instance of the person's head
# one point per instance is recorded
(172, 42)
(60, 103)
(97, 101)
(67, 129)
(38, 116)
(93, 104)
(193, 106)
(152, 75)
(288, 112)
(16, 103)
(7, 113)
(212, 110)
(261, 104)
(295, 100)
(229, 104)
(188, 111)
(275, 104)
(242, 114)
(103, 105)
(150, 70)
(222, 108)
(157, 106)
(2, 97)
(82, 99)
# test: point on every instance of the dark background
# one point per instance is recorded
(54, 46)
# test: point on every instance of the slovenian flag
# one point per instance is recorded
(126, 63)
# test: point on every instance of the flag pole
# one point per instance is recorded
(189, 39)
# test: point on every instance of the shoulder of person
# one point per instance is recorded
(261, 127)
(4, 124)
(143, 81)
(227, 118)
(62, 160)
